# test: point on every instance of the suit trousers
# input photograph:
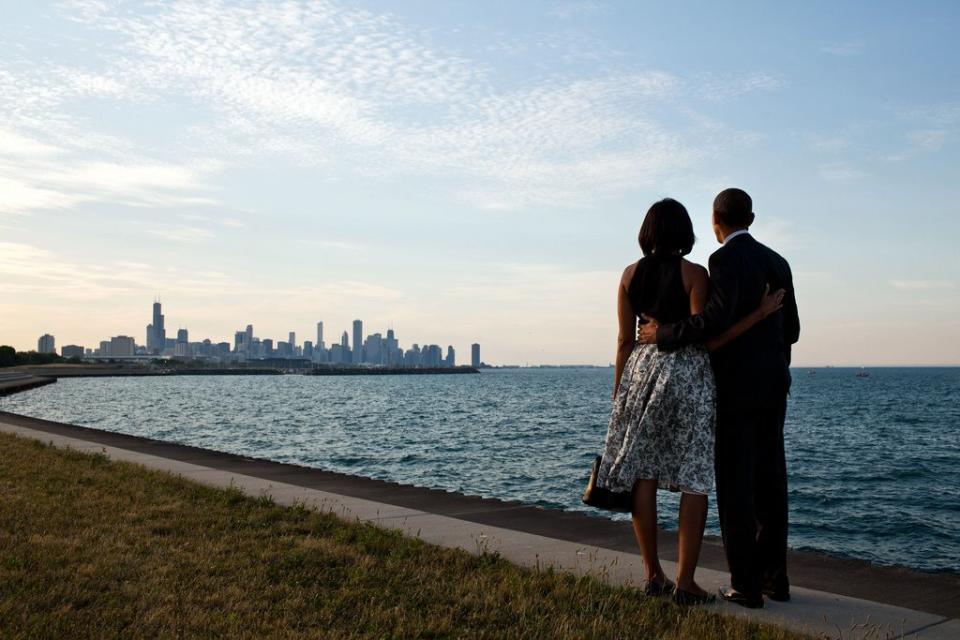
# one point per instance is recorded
(752, 495)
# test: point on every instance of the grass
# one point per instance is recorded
(91, 548)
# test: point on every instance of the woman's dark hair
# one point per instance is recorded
(667, 229)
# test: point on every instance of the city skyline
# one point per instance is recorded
(471, 170)
(373, 349)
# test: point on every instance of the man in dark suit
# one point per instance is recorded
(753, 378)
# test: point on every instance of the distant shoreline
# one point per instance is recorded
(100, 371)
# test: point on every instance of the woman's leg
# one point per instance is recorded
(693, 518)
(645, 527)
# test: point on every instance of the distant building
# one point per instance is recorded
(267, 347)
(475, 355)
(431, 356)
(104, 350)
(46, 344)
(357, 341)
(411, 358)
(373, 349)
(320, 344)
(339, 354)
(308, 350)
(393, 353)
(240, 342)
(122, 347)
(451, 359)
(182, 335)
(71, 351)
(293, 341)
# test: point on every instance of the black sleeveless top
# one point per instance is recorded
(657, 289)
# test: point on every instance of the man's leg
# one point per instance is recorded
(735, 461)
(771, 502)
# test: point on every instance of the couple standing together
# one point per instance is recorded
(701, 393)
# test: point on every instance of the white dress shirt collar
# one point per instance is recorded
(733, 235)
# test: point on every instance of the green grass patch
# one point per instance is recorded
(91, 548)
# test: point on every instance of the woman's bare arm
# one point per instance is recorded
(770, 303)
(627, 322)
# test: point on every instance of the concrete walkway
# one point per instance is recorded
(530, 536)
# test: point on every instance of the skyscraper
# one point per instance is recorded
(156, 332)
(320, 344)
(293, 341)
(357, 341)
(46, 344)
(451, 360)
(475, 355)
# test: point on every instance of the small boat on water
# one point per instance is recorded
(863, 373)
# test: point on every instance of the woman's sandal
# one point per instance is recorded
(656, 589)
(687, 599)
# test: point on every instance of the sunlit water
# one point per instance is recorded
(873, 462)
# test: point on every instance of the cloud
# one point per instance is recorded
(839, 172)
(928, 139)
(340, 245)
(34, 273)
(843, 49)
(182, 234)
(776, 232)
(828, 143)
(333, 88)
(922, 285)
(721, 87)
(567, 10)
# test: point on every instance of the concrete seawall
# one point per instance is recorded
(15, 382)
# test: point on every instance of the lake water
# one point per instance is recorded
(874, 463)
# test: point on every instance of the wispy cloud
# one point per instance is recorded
(31, 272)
(182, 234)
(922, 285)
(720, 87)
(844, 49)
(928, 139)
(567, 10)
(326, 86)
(839, 172)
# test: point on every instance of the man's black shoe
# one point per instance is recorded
(778, 592)
(744, 600)
(778, 595)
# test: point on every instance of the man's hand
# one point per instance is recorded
(647, 333)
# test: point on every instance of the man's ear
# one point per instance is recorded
(752, 218)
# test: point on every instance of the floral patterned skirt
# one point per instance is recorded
(663, 422)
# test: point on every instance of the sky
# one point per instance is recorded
(471, 172)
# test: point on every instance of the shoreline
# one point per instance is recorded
(80, 371)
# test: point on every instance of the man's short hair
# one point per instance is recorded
(734, 208)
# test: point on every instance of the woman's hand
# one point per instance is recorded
(771, 302)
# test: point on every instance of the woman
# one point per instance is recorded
(662, 426)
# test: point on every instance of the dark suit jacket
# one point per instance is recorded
(753, 370)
